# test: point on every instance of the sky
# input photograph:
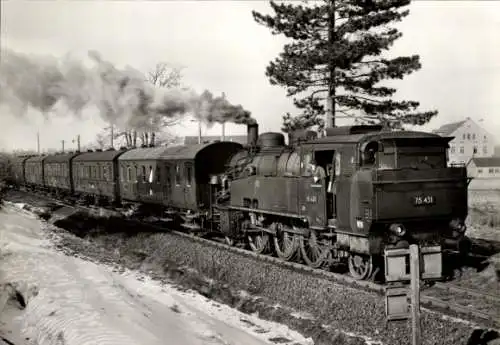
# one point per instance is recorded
(223, 49)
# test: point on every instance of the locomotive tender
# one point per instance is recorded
(382, 189)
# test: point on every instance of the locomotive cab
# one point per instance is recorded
(404, 191)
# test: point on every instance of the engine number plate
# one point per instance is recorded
(422, 200)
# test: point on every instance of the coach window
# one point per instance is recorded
(158, 174)
(150, 175)
(177, 175)
(143, 173)
(105, 173)
(129, 174)
(189, 173)
(168, 176)
(124, 173)
(136, 174)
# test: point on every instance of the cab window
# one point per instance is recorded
(304, 164)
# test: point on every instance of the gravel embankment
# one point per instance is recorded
(338, 307)
(332, 307)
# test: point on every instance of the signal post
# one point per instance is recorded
(403, 266)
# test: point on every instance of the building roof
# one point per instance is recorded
(193, 139)
(449, 128)
(485, 162)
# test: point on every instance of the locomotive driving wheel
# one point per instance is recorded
(259, 242)
(316, 253)
(360, 266)
(286, 244)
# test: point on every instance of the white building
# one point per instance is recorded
(470, 140)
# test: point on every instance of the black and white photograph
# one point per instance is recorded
(249, 172)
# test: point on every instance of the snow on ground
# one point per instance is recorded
(82, 303)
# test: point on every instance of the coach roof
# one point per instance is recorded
(172, 152)
(98, 156)
(60, 157)
(36, 159)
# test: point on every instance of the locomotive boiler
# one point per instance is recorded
(380, 189)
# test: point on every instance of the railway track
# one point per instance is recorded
(446, 298)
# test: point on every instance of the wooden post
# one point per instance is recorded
(415, 293)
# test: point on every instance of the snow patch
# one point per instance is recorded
(82, 303)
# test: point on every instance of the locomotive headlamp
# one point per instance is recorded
(458, 225)
(397, 229)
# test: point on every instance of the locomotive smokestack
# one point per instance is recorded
(252, 134)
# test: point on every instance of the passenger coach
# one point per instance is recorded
(177, 177)
(95, 175)
(58, 172)
(33, 171)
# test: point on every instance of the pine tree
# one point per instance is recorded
(341, 51)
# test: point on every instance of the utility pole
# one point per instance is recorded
(112, 136)
(223, 123)
(62, 141)
(330, 100)
(38, 142)
(199, 131)
(78, 142)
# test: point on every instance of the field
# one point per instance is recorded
(484, 214)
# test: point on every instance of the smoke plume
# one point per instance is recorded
(124, 97)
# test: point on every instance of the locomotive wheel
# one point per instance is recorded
(314, 253)
(259, 243)
(360, 266)
(286, 244)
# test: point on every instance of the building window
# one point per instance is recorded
(473, 136)
(452, 149)
(468, 136)
(479, 171)
(485, 150)
(497, 170)
(474, 150)
(490, 170)
(461, 149)
(463, 136)
(485, 138)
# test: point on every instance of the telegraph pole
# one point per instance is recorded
(223, 123)
(199, 131)
(38, 142)
(330, 100)
(62, 141)
(78, 142)
(112, 136)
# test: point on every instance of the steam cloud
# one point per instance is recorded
(123, 96)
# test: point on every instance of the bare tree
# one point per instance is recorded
(167, 76)
(150, 128)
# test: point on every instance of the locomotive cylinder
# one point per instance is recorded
(252, 134)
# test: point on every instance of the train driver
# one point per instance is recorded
(317, 171)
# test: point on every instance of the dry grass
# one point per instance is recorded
(484, 214)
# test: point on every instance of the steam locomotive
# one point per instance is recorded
(380, 189)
